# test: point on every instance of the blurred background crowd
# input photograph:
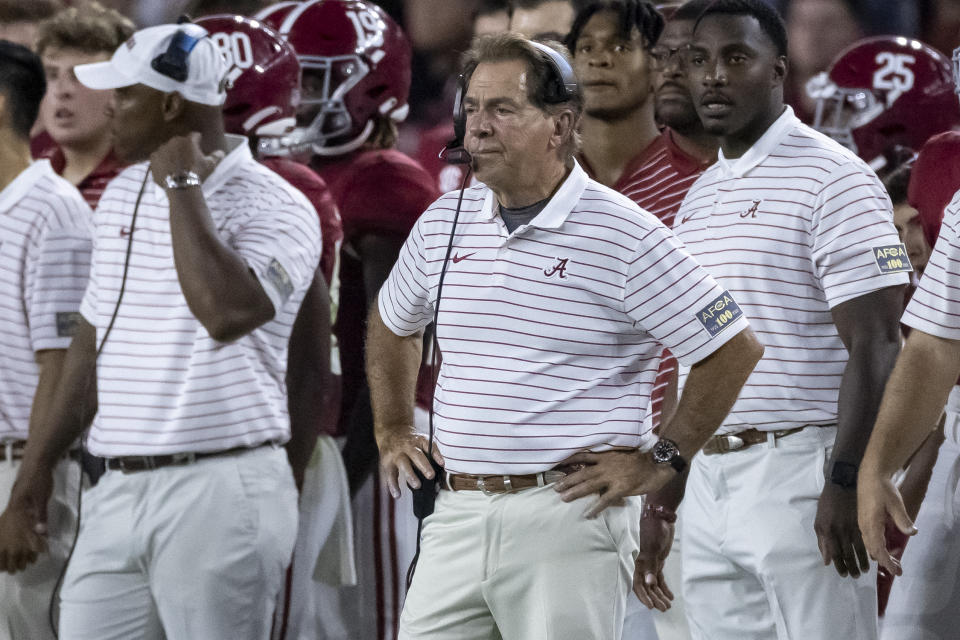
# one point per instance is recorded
(439, 30)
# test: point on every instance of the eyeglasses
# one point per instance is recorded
(662, 57)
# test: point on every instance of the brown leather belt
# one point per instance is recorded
(133, 464)
(492, 485)
(743, 440)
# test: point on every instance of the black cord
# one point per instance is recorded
(433, 360)
(123, 285)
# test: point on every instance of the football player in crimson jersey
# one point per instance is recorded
(356, 78)
(262, 96)
(882, 93)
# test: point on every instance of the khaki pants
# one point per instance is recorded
(183, 552)
(751, 566)
(25, 596)
(521, 566)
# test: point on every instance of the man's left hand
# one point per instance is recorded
(180, 154)
(613, 475)
(649, 585)
(838, 535)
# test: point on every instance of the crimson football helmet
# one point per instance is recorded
(883, 92)
(273, 15)
(356, 66)
(263, 84)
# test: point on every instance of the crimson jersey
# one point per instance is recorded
(92, 186)
(317, 192)
(657, 179)
(381, 193)
(315, 189)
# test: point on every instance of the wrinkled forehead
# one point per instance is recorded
(506, 80)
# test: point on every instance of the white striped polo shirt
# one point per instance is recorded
(164, 385)
(793, 228)
(935, 306)
(551, 335)
(44, 261)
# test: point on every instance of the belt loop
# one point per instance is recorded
(540, 480)
(446, 479)
(507, 484)
(8, 449)
(771, 440)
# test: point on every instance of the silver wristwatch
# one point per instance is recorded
(182, 180)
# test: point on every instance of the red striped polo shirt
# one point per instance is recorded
(551, 335)
(793, 228)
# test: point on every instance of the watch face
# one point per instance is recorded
(664, 451)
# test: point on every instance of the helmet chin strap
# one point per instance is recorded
(346, 147)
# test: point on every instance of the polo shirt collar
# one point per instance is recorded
(238, 152)
(559, 207)
(23, 183)
(768, 142)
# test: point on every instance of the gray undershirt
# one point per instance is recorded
(515, 218)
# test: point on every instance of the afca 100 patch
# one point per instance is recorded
(892, 258)
(719, 314)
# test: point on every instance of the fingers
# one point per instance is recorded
(898, 513)
(651, 589)
(588, 474)
(849, 557)
(862, 558)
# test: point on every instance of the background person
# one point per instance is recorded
(189, 531)
(43, 271)
(788, 221)
(76, 119)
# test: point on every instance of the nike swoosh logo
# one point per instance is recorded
(457, 258)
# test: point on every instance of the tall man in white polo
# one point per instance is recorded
(201, 259)
(44, 260)
(801, 233)
(557, 296)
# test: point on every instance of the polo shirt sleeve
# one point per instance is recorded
(57, 273)
(676, 301)
(279, 240)
(404, 301)
(935, 307)
(855, 247)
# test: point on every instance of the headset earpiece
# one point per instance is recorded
(562, 87)
(173, 62)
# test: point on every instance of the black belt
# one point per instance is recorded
(133, 464)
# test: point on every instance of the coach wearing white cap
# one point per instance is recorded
(201, 259)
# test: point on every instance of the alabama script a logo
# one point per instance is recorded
(752, 211)
(558, 269)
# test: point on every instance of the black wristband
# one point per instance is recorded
(844, 474)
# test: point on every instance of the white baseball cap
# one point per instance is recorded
(193, 67)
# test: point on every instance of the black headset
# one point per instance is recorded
(560, 88)
(173, 62)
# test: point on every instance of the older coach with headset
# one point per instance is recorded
(201, 259)
(557, 294)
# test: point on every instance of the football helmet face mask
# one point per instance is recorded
(355, 62)
(884, 92)
(263, 84)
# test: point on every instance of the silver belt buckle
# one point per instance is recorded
(481, 484)
(730, 443)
